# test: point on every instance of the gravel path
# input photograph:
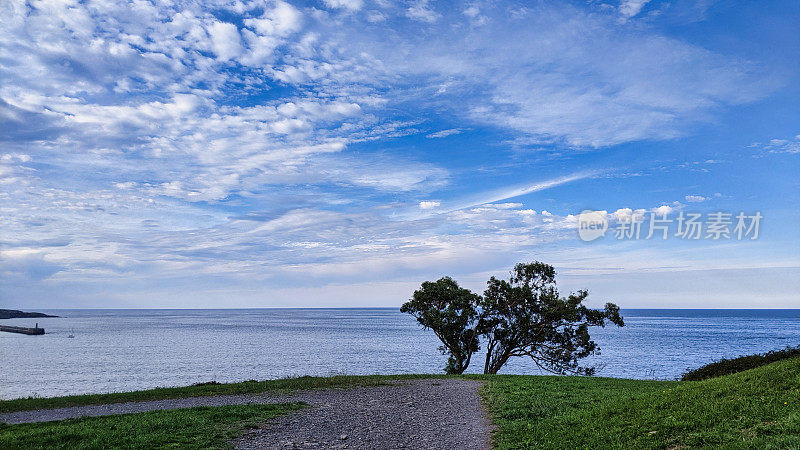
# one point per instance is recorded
(46, 415)
(426, 413)
(422, 414)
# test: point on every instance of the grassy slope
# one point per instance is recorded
(247, 387)
(759, 408)
(185, 428)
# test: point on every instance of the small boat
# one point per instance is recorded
(71, 334)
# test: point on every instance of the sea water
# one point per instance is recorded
(122, 350)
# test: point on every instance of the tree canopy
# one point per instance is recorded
(449, 311)
(522, 316)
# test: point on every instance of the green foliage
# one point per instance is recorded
(204, 427)
(524, 316)
(742, 363)
(759, 408)
(449, 311)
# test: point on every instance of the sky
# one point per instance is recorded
(337, 153)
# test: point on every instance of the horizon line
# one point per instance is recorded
(370, 307)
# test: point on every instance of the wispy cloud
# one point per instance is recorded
(778, 146)
(152, 143)
(483, 198)
(517, 191)
(443, 133)
(421, 10)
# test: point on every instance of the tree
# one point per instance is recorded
(525, 316)
(449, 311)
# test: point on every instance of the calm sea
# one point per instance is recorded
(119, 350)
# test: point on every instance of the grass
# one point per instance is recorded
(758, 408)
(247, 387)
(204, 427)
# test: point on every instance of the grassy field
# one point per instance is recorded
(759, 408)
(184, 428)
(247, 387)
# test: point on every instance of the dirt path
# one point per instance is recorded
(422, 414)
(46, 415)
(427, 413)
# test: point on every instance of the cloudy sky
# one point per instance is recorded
(340, 152)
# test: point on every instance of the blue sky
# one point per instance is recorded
(340, 152)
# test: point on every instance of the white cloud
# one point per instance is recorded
(420, 10)
(281, 20)
(629, 83)
(778, 146)
(225, 40)
(125, 184)
(663, 210)
(249, 152)
(695, 198)
(504, 205)
(512, 192)
(472, 11)
(381, 172)
(443, 133)
(352, 5)
(14, 157)
(630, 8)
(488, 199)
(628, 214)
(376, 17)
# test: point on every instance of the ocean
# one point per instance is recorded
(122, 350)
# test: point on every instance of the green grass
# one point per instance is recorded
(758, 408)
(204, 427)
(247, 387)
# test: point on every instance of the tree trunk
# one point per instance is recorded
(486, 364)
(492, 367)
(459, 368)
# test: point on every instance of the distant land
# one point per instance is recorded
(15, 314)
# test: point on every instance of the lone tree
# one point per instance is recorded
(523, 316)
(526, 316)
(448, 310)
